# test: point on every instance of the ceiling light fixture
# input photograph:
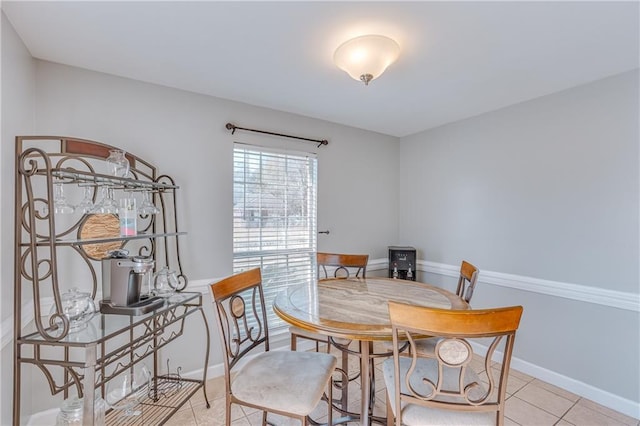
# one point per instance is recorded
(366, 57)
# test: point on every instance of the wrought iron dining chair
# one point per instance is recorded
(459, 385)
(341, 266)
(466, 286)
(335, 265)
(467, 281)
(288, 383)
(332, 265)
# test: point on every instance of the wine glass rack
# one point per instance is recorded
(52, 254)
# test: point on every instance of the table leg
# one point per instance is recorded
(344, 394)
(365, 382)
(89, 382)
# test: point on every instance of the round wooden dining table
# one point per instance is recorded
(356, 309)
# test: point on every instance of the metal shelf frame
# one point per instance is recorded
(47, 249)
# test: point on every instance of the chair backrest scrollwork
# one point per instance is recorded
(242, 318)
(457, 378)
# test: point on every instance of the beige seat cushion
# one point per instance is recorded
(416, 415)
(284, 380)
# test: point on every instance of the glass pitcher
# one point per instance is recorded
(165, 282)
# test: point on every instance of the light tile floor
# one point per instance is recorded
(529, 402)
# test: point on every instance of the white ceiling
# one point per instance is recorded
(457, 60)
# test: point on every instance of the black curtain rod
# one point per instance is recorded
(233, 129)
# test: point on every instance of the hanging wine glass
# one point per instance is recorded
(108, 204)
(118, 163)
(86, 205)
(147, 207)
(60, 203)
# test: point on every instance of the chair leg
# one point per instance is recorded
(390, 419)
(372, 388)
(294, 342)
(264, 418)
(330, 403)
(227, 420)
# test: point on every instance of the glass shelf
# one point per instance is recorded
(102, 327)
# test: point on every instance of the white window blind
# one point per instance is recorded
(274, 219)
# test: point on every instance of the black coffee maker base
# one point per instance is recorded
(140, 308)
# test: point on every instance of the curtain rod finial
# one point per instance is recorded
(231, 127)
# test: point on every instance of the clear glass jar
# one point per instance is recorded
(118, 163)
(71, 412)
(78, 307)
(165, 282)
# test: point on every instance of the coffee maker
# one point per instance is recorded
(123, 278)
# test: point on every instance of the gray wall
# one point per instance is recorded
(184, 134)
(546, 189)
(18, 102)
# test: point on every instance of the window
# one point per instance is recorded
(274, 219)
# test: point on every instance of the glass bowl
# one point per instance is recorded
(78, 307)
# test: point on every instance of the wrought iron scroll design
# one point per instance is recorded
(46, 242)
(170, 224)
(38, 261)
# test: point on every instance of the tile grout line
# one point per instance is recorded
(505, 407)
(567, 412)
(543, 408)
(535, 406)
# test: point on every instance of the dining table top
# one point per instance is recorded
(356, 308)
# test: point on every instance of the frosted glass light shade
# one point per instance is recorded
(366, 57)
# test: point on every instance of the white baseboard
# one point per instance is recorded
(43, 418)
(602, 397)
(611, 298)
(584, 390)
